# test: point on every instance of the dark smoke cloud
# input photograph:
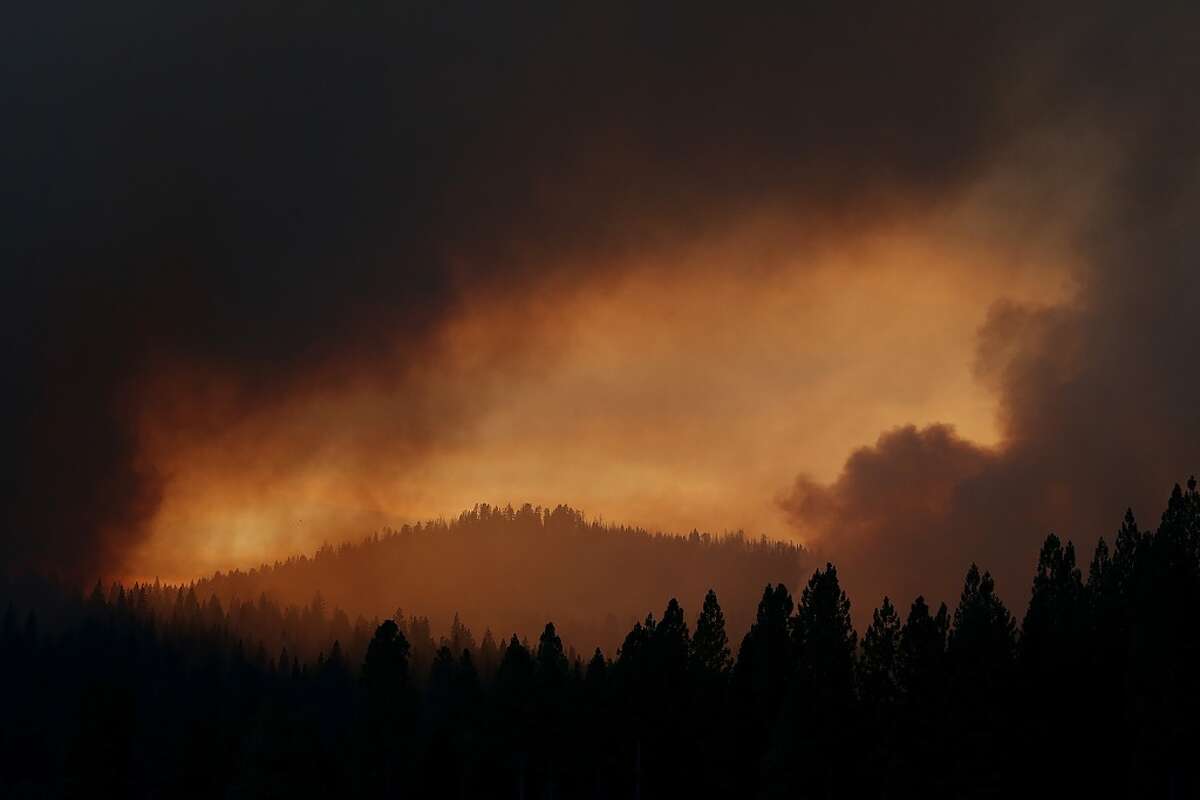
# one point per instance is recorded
(287, 196)
(1097, 397)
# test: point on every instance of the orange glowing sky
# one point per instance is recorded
(912, 289)
(683, 391)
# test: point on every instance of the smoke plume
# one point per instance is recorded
(251, 238)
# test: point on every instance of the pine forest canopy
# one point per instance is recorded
(150, 691)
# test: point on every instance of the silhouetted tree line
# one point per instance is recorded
(147, 692)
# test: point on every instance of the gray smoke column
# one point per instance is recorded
(1097, 396)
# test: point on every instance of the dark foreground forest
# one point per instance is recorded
(152, 691)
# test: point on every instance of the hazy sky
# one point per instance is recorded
(912, 288)
(685, 393)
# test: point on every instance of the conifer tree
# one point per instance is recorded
(811, 744)
(920, 658)
(983, 637)
(551, 660)
(440, 689)
(764, 663)
(880, 656)
(597, 671)
(515, 690)
(460, 636)
(921, 680)
(385, 668)
(489, 656)
(980, 654)
(823, 635)
(671, 642)
(879, 690)
(710, 655)
(1054, 620)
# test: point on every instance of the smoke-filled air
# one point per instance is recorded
(535, 311)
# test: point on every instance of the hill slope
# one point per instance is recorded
(513, 569)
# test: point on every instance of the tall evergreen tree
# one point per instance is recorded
(597, 671)
(386, 665)
(710, 654)
(983, 637)
(879, 690)
(709, 717)
(440, 689)
(460, 637)
(489, 657)
(981, 653)
(670, 646)
(880, 656)
(386, 678)
(551, 659)
(764, 663)
(811, 746)
(921, 682)
(1054, 622)
(516, 695)
(920, 658)
(759, 681)
(1054, 662)
(552, 674)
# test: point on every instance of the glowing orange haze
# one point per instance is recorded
(683, 392)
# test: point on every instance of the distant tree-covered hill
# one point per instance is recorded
(152, 691)
(511, 570)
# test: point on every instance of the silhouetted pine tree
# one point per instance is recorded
(385, 676)
(634, 687)
(598, 723)
(710, 722)
(1053, 661)
(667, 703)
(921, 678)
(489, 657)
(439, 692)
(516, 703)
(552, 676)
(981, 654)
(879, 688)
(1164, 642)
(710, 655)
(1055, 619)
(760, 680)
(460, 636)
(811, 746)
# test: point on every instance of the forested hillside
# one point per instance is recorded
(148, 691)
(513, 569)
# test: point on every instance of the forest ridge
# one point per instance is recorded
(511, 569)
(147, 692)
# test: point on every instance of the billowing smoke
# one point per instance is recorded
(216, 211)
(1097, 396)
